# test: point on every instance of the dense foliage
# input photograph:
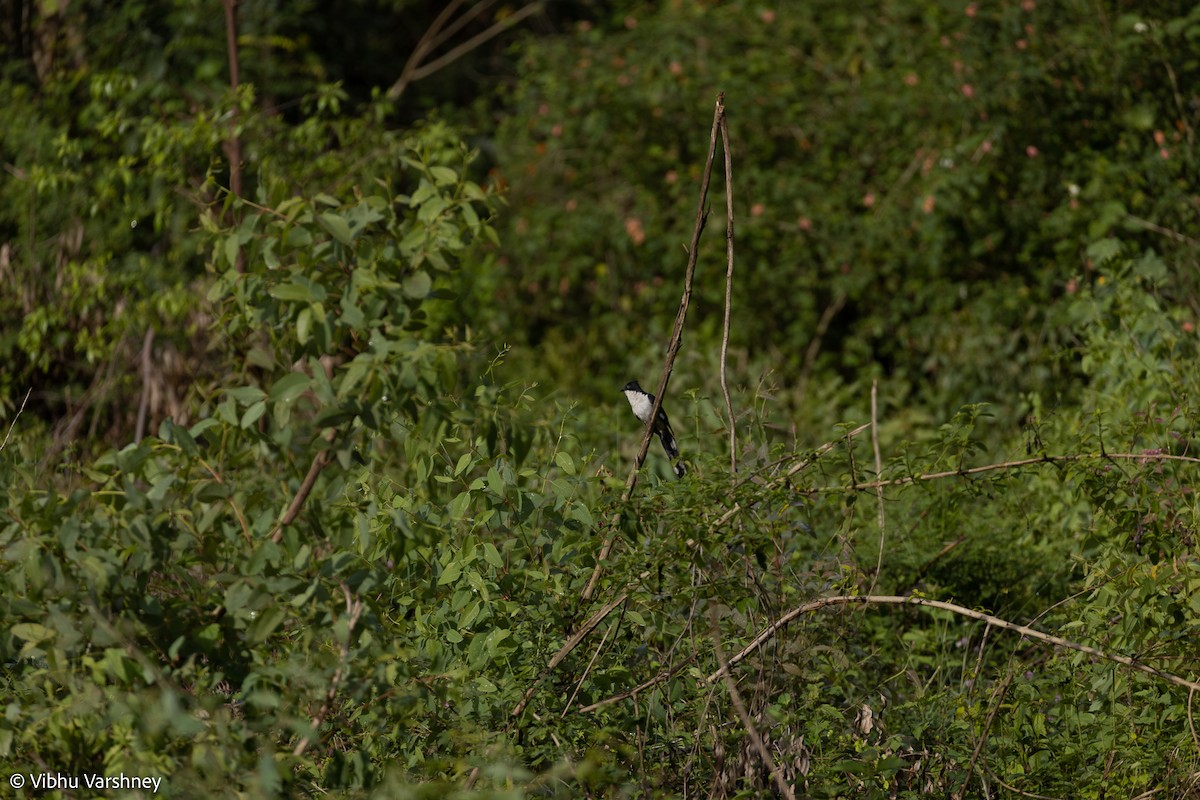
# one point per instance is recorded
(315, 488)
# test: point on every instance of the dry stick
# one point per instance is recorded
(728, 292)
(672, 351)
(13, 424)
(740, 708)
(998, 698)
(1159, 229)
(1024, 630)
(413, 70)
(588, 669)
(426, 43)
(1022, 793)
(1191, 723)
(144, 405)
(571, 644)
(814, 347)
(665, 675)
(233, 145)
(320, 461)
(354, 608)
(232, 504)
(878, 472)
(1025, 462)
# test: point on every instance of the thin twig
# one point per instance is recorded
(672, 351)
(1159, 229)
(728, 292)
(414, 71)
(878, 472)
(571, 644)
(665, 675)
(232, 503)
(997, 700)
(740, 709)
(144, 404)
(12, 424)
(233, 145)
(814, 347)
(1015, 790)
(1191, 722)
(1024, 630)
(354, 608)
(319, 462)
(588, 669)
(792, 470)
(1069, 458)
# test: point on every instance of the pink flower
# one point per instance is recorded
(868, 199)
(1031, 151)
(968, 91)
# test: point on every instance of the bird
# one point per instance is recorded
(641, 402)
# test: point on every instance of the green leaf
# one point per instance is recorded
(232, 247)
(451, 573)
(265, 624)
(245, 395)
(418, 284)
(303, 325)
(443, 176)
(289, 387)
(32, 632)
(336, 226)
(565, 462)
(252, 414)
(464, 461)
(292, 292)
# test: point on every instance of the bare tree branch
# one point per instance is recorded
(414, 70)
(354, 609)
(744, 716)
(728, 294)
(1068, 458)
(672, 350)
(12, 424)
(1024, 630)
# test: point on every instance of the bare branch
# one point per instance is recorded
(728, 293)
(414, 71)
(740, 709)
(1024, 630)
(354, 609)
(792, 470)
(997, 700)
(570, 645)
(233, 145)
(1068, 458)
(672, 350)
(319, 462)
(878, 472)
(147, 366)
(12, 424)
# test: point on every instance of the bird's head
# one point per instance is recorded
(632, 386)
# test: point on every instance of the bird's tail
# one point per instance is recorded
(667, 437)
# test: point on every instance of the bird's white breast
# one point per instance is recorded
(640, 404)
